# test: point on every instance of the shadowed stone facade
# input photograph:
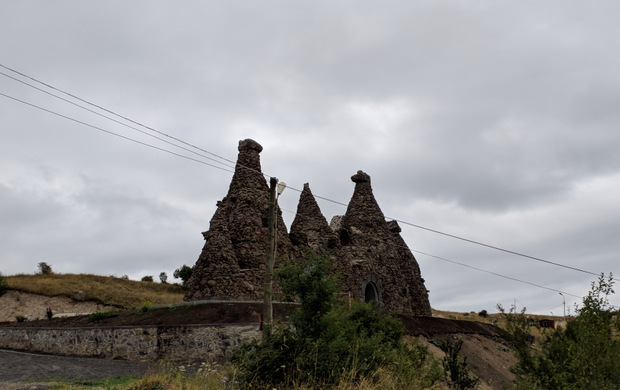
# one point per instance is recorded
(369, 252)
(232, 262)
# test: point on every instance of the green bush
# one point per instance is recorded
(483, 313)
(327, 341)
(456, 366)
(147, 278)
(103, 315)
(21, 318)
(583, 355)
(183, 273)
(45, 269)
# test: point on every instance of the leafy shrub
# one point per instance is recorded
(456, 366)
(49, 313)
(145, 306)
(103, 315)
(327, 341)
(4, 286)
(21, 318)
(163, 277)
(147, 278)
(45, 269)
(584, 355)
(183, 273)
(483, 313)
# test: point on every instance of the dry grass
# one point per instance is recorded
(213, 377)
(107, 290)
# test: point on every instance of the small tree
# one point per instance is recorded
(147, 278)
(328, 340)
(456, 366)
(163, 277)
(45, 269)
(584, 355)
(183, 273)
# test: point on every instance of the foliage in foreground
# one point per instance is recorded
(455, 366)
(584, 355)
(328, 343)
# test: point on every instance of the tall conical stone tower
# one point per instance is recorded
(232, 262)
(310, 228)
(378, 264)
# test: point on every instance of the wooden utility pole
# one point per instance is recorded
(270, 260)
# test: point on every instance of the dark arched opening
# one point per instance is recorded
(371, 294)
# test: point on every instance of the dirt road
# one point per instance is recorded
(20, 369)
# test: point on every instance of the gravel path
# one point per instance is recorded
(21, 369)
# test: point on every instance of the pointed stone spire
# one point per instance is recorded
(232, 262)
(310, 228)
(363, 213)
(378, 264)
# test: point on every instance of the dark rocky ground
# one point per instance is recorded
(206, 313)
(243, 313)
(20, 367)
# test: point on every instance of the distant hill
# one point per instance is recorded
(105, 290)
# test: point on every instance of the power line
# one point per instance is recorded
(230, 161)
(116, 121)
(111, 132)
(320, 197)
(494, 273)
(496, 248)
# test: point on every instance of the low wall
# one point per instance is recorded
(174, 343)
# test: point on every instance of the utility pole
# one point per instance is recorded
(270, 260)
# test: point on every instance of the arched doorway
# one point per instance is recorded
(371, 294)
(370, 291)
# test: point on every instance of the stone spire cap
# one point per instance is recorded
(360, 177)
(249, 144)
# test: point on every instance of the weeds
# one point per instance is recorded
(328, 343)
(107, 290)
(103, 315)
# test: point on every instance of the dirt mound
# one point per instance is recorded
(431, 326)
(32, 306)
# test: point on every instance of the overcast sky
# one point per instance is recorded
(489, 120)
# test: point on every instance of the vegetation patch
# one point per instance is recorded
(103, 315)
(328, 342)
(582, 355)
(108, 290)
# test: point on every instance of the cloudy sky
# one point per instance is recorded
(493, 121)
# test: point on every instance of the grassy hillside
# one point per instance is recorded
(107, 290)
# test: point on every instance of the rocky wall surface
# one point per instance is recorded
(174, 343)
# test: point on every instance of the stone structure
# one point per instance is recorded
(378, 265)
(232, 262)
(174, 343)
(369, 252)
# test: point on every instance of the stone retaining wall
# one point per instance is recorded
(174, 343)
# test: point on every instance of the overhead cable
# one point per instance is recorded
(292, 188)
(112, 133)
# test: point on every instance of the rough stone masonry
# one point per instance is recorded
(373, 259)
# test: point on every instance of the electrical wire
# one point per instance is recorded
(112, 133)
(114, 113)
(239, 165)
